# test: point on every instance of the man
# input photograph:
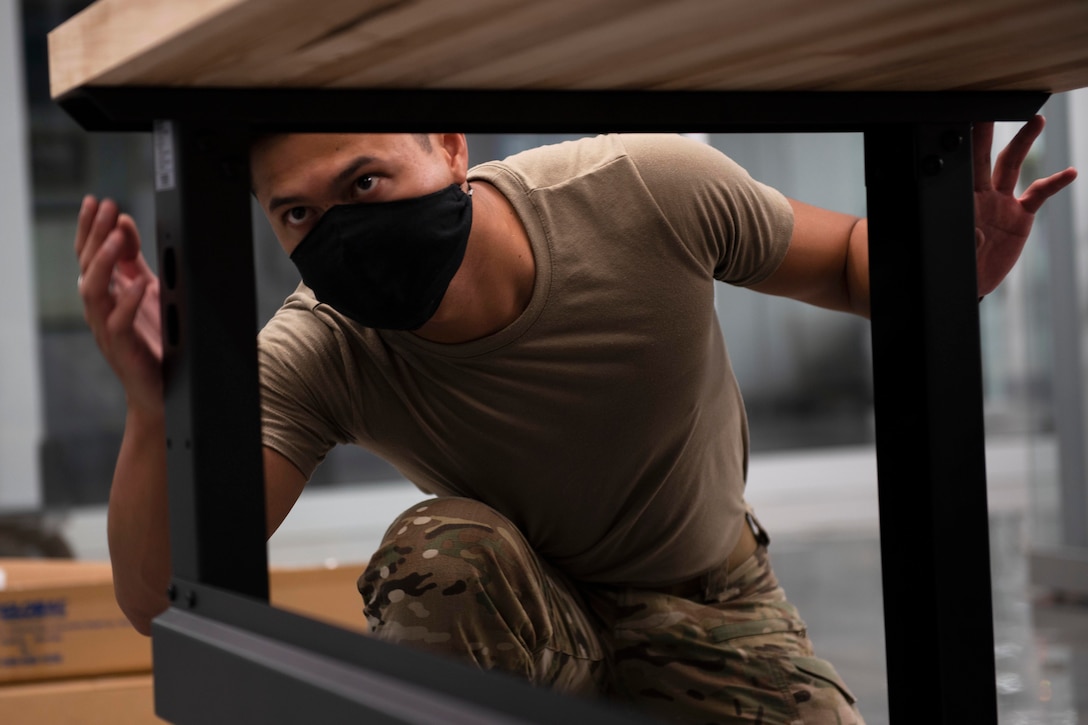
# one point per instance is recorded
(535, 341)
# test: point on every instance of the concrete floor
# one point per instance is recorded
(821, 509)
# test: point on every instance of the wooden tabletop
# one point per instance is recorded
(825, 45)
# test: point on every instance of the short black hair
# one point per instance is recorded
(424, 139)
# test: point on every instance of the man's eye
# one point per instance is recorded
(297, 214)
(364, 183)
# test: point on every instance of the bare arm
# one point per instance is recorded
(828, 259)
(827, 264)
(121, 305)
(138, 524)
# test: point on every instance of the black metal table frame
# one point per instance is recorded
(223, 655)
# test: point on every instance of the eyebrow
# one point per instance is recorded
(346, 173)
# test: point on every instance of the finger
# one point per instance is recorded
(105, 219)
(127, 225)
(982, 138)
(119, 337)
(101, 223)
(1011, 159)
(1040, 190)
(120, 322)
(96, 280)
(148, 325)
(132, 262)
(87, 211)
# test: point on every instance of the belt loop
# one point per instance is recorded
(757, 528)
(715, 583)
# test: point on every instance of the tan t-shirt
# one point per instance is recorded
(605, 421)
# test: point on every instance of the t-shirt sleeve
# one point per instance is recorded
(305, 392)
(738, 227)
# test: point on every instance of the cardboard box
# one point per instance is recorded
(59, 619)
(125, 700)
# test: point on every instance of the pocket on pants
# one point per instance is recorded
(819, 694)
(825, 672)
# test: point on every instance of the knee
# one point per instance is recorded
(448, 528)
(429, 523)
(454, 576)
(442, 547)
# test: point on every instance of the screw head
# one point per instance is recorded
(932, 165)
(951, 140)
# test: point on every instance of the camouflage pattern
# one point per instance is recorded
(737, 654)
(455, 577)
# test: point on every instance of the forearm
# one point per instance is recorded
(138, 525)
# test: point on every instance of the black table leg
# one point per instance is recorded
(205, 245)
(930, 440)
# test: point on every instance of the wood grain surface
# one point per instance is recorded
(838, 45)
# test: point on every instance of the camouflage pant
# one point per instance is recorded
(455, 577)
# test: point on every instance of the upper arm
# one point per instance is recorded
(827, 262)
(283, 483)
(309, 389)
(306, 401)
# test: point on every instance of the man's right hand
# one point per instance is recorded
(121, 301)
(121, 304)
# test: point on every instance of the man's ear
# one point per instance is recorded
(454, 149)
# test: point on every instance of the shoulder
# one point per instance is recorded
(667, 165)
(296, 316)
(658, 162)
(304, 330)
(740, 226)
(662, 156)
(555, 164)
(309, 376)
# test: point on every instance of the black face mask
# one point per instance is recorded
(387, 264)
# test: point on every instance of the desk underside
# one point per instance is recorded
(770, 45)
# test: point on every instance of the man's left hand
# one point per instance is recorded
(1003, 220)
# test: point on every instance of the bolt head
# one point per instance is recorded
(932, 165)
(951, 140)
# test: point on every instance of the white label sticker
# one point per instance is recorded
(164, 155)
